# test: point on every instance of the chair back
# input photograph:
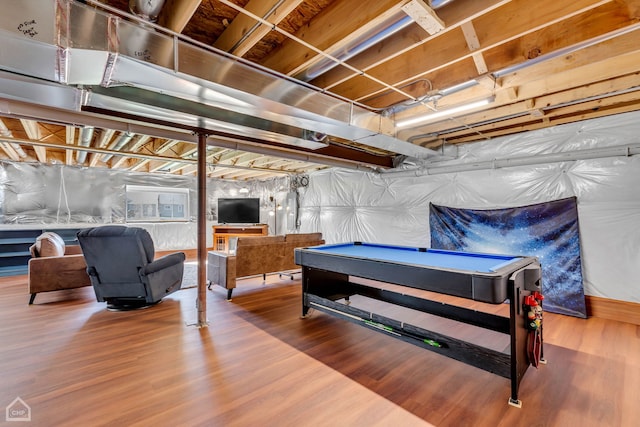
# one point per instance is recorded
(116, 253)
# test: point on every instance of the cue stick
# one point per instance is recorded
(385, 328)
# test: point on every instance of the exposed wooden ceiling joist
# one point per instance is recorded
(553, 63)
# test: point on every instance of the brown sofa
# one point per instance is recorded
(257, 255)
(55, 266)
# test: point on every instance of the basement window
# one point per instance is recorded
(156, 204)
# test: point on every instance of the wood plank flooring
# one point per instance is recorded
(259, 364)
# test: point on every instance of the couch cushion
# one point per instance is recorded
(259, 240)
(48, 244)
(303, 237)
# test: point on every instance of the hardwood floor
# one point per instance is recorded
(259, 364)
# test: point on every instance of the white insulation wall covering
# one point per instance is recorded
(36, 196)
(393, 208)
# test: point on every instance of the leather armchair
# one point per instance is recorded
(122, 269)
(55, 266)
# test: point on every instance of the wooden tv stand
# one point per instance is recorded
(222, 233)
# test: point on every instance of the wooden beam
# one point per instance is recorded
(454, 15)
(105, 138)
(170, 143)
(14, 151)
(568, 33)
(493, 29)
(552, 117)
(32, 129)
(119, 162)
(596, 63)
(176, 14)
(244, 32)
(612, 85)
(70, 139)
(9, 150)
(292, 57)
(139, 165)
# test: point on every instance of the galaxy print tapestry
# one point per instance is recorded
(548, 231)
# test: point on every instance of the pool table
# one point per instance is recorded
(488, 278)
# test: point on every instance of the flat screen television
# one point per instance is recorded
(239, 211)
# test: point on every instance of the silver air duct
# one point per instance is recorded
(86, 136)
(121, 142)
(146, 9)
(188, 84)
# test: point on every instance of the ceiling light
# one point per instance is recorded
(424, 16)
(424, 118)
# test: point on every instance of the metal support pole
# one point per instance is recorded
(201, 302)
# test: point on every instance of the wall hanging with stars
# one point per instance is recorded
(547, 230)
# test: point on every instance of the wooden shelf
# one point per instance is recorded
(222, 234)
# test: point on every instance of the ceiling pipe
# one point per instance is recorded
(471, 126)
(567, 50)
(433, 97)
(86, 136)
(536, 159)
(122, 140)
(385, 29)
(395, 23)
(148, 10)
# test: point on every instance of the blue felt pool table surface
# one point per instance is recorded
(435, 258)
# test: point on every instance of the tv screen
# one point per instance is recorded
(239, 211)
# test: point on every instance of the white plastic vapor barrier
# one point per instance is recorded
(38, 196)
(393, 208)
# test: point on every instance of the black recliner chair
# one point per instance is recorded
(122, 270)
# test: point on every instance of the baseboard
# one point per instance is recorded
(622, 311)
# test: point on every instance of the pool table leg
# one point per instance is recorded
(515, 402)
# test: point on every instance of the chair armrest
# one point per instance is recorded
(72, 250)
(55, 263)
(54, 273)
(162, 263)
(221, 269)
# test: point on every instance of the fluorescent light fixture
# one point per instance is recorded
(424, 118)
(424, 16)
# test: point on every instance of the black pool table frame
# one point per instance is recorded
(325, 280)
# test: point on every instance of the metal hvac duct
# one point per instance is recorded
(208, 86)
(384, 30)
(86, 136)
(122, 140)
(146, 9)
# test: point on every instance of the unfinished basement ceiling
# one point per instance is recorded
(326, 83)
